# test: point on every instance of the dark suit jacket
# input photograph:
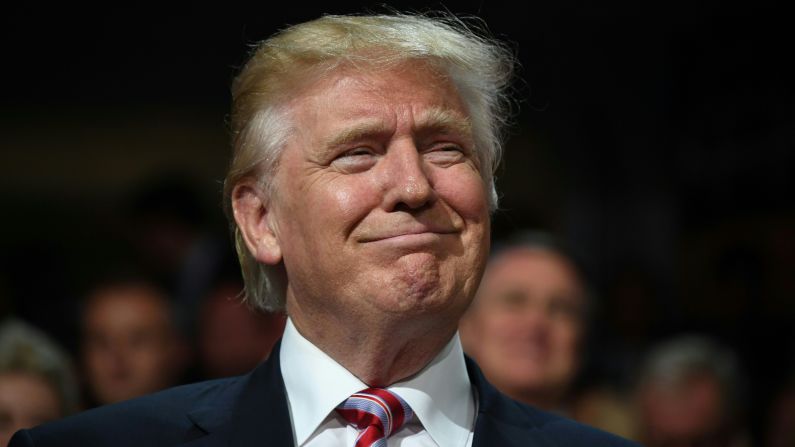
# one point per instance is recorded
(251, 410)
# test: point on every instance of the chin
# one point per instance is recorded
(415, 299)
(410, 300)
(417, 277)
(417, 284)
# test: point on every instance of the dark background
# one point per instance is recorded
(656, 140)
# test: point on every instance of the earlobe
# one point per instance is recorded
(253, 216)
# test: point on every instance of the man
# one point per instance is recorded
(690, 394)
(526, 330)
(130, 345)
(360, 187)
(526, 325)
(233, 338)
(37, 381)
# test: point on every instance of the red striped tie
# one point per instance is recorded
(377, 413)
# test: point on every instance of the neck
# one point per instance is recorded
(383, 353)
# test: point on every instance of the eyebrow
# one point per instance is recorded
(438, 119)
(433, 120)
(358, 132)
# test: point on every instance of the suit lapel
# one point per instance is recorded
(258, 415)
(500, 421)
(262, 417)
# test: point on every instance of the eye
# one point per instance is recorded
(359, 151)
(512, 299)
(446, 154)
(355, 160)
(564, 307)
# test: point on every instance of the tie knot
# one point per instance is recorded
(375, 411)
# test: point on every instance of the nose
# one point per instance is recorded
(535, 320)
(407, 181)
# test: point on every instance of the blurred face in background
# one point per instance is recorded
(685, 413)
(233, 338)
(129, 347)
(525, 326)
(26, 400)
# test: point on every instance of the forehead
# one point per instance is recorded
(532, 268)
(379, 96)
(125, 302)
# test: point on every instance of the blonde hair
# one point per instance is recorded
(480, 68)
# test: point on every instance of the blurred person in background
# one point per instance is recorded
(130, 344)
(689, 394)
(37, 381)
(780, 430)
(233, 337)
(175, 242)
(526, 326)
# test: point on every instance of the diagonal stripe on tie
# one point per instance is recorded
(377, 413)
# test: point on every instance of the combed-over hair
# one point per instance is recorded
(480, 67)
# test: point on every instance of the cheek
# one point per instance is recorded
(463, 189)
(565, 337)
(351, 200)
(503, 327)
(328, 201)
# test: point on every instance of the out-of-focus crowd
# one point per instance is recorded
(165, 312)
(175, 316)
(529, 328)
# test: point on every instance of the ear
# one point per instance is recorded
(253, 215)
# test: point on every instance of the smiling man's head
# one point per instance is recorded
(397, 119)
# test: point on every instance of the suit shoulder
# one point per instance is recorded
(557, 429)
(163, 418)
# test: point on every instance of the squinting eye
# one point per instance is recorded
(446, 154)
(357, 152)
(355, 160)
(451, 148)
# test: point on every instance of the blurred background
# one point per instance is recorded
(656, 141)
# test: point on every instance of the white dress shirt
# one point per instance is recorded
(440, 395)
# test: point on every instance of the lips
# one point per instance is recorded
(407, 232)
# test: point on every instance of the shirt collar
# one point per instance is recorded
(440, 394)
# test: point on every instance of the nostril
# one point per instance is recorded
(403, 206)
(417, 193)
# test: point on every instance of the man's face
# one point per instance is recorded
(526, 326)
(379, 208)
(26, 400)
(684, 414)
(233, 338)
(129, 347)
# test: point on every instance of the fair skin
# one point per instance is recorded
(526, 325)
(379, 216)
(129, 345)
(26, 400)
